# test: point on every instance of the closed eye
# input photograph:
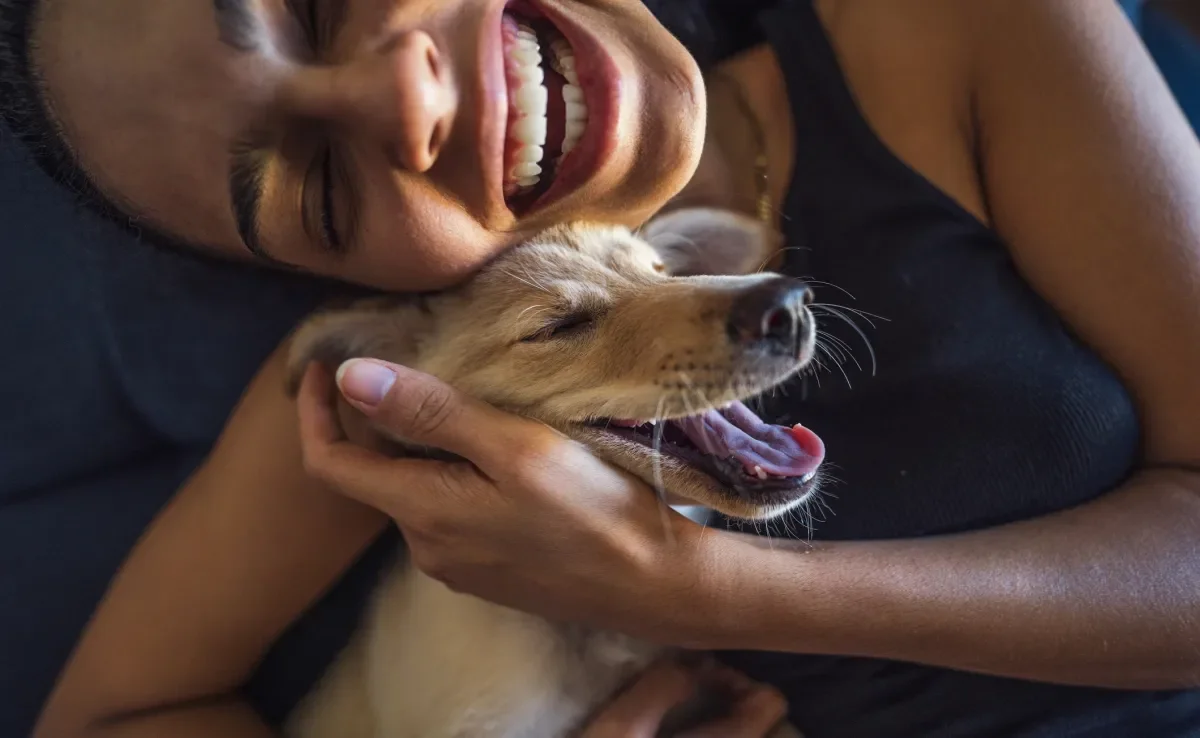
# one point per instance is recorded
(565, 327)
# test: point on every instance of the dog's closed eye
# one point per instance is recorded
(564, 327)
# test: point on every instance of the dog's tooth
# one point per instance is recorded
(808, 477)
(758, 472)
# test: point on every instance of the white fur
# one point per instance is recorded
(432, 663)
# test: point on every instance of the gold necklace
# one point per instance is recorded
(763, 206)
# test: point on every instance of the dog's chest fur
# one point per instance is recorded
(431, 663)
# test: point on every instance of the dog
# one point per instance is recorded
(641, 346)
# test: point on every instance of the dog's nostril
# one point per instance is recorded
(770, 313)
(779, 324)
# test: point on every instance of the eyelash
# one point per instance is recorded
(328, 227)
(564, 328)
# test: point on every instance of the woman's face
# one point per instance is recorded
(388, 142)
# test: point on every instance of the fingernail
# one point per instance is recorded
(365, 382)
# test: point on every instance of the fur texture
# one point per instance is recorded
(584, 323)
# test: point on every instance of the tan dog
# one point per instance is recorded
(600, 335)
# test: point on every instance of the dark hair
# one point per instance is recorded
(711, 29)
(25, 112)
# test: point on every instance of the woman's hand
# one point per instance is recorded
(534, 521)
(639, 711)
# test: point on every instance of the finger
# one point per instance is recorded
(639, 710)
(315, 404)
(399, 487)
(754, 715)
(422, 409)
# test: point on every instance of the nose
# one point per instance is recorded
(771, 314)
(401, 94)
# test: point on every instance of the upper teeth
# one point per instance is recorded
(562, 60)
(531, 102)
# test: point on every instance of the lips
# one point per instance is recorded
(547, 113)
(582, 88)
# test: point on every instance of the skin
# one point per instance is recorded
(395, 92)
(1076, 154)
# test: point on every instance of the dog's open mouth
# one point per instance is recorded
(734, 446)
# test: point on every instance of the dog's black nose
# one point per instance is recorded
(771, 313)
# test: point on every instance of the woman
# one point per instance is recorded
(1007, 183)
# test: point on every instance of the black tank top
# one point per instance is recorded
(974, 406)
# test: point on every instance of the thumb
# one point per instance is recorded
(421, 409)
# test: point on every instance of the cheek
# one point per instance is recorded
(420, 242)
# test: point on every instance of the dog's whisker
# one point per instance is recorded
(526, 282)
(784, 250)
(837, 313)
(683, 377)
(831, 339)
(836, 362)
(869, 317)
(834, 341)
(605, 304)
(660, 488)
(831, 285)
(839, 355)
(524, 312)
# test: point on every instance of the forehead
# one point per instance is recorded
(152, 110)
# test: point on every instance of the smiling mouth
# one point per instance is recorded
(753, 459)
(547, 110)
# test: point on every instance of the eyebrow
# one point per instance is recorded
(240, 28)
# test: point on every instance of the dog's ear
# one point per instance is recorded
(388, 329)
(710, 241)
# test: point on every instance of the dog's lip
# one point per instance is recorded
(727, 474)
(736, 433)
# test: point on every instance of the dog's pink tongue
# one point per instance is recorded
(737, 432)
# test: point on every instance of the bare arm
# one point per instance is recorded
(246, 546)
(1093, 177)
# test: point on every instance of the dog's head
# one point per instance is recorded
(591, 330)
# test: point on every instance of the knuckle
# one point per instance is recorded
(422, 523)
(316, 465)
(431, 410)
(535, 454)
